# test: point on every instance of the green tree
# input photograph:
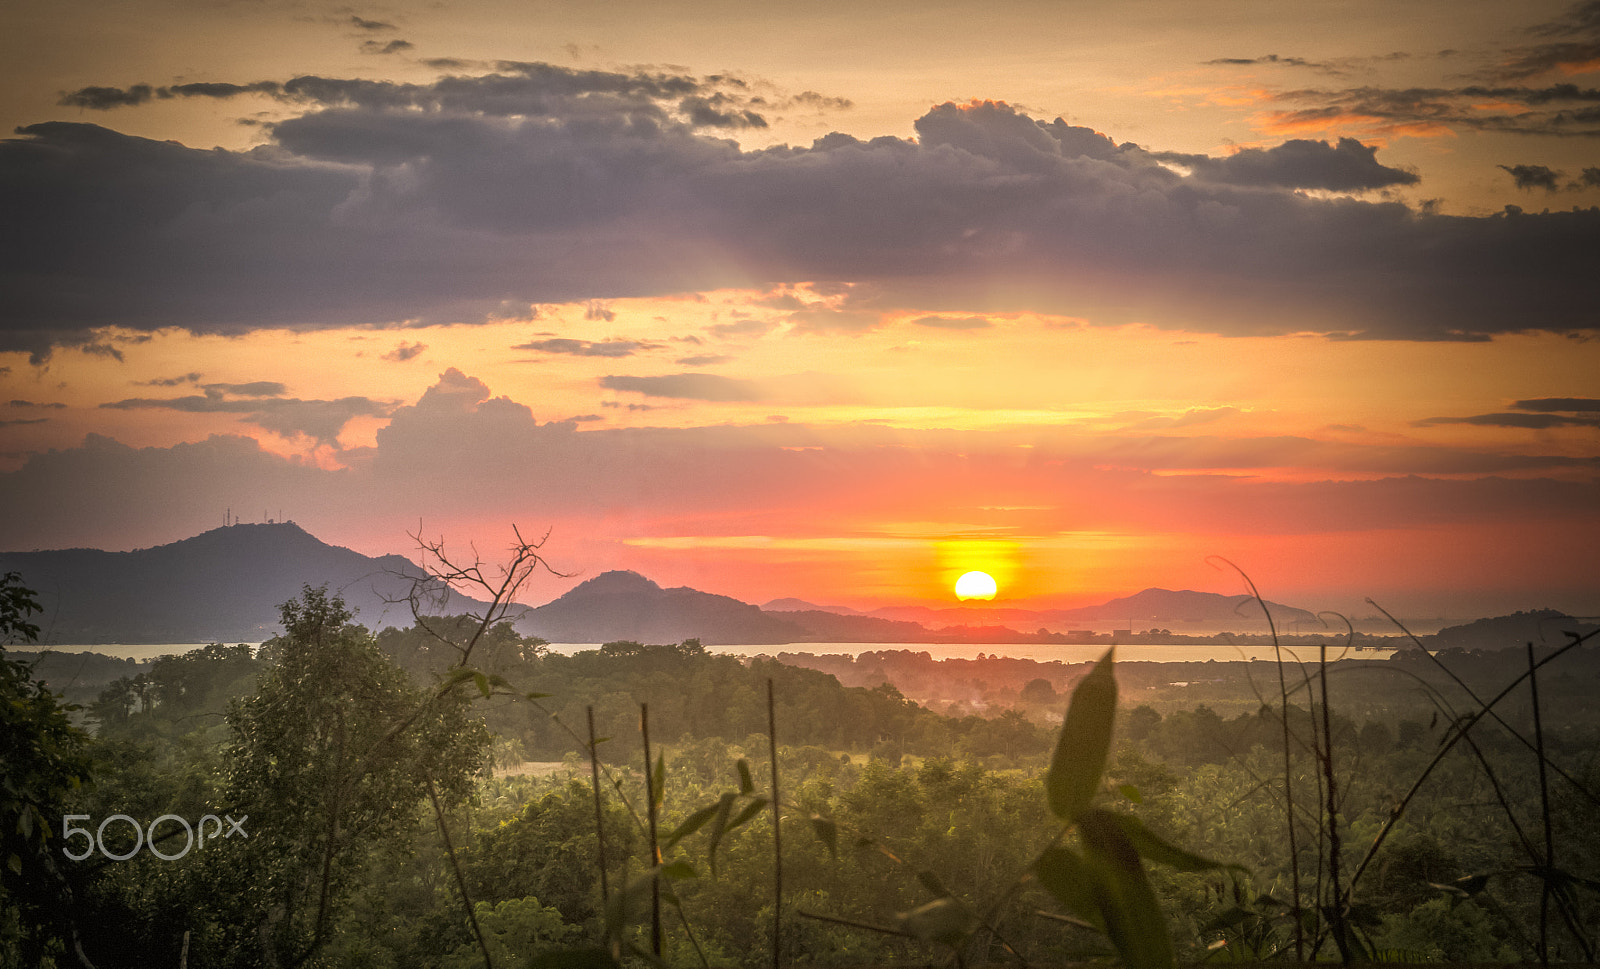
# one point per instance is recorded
(330, 757)
(517, 930)
(44, 761)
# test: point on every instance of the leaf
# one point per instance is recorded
(828, 833)
(750, 811)
(678, 870)
(481, 681)
(541, 696)
(719, 827)
(1152, 846)
(1080, 756)
(1133, 917)
(691, 824)
(1073, 884)
(1131, 793)
(747, 784)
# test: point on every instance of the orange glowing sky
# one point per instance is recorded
(829, 302)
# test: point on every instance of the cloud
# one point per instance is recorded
(1561, 109)
(688, 386)
(712, 113)
(1533, 421)
(1189, 418)
(828, 319)
(255, 388)
(52, 405)
(188, 378)
(1569, 404)
(264, 406)
(373, 25)
(1348, 166)
(1530, 177)
(405, 351)
(586, 348)
(391, 47)
(106, 98)
(1574, 47)
(704, 360)
(380, 202)
(954, 322)
(741, 328)
(1275, 60)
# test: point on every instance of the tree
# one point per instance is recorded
(44, 762)
(330, 757)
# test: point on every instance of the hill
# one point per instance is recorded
(627, 606)
(1542, 627)
(224, 585)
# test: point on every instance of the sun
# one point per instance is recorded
(976, 585)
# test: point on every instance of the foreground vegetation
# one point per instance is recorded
(381, 834)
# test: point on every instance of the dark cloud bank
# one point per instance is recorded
(384, 203)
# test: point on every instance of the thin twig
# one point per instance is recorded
(1549, 860)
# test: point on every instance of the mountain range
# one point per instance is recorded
(227, 585)
(224, 585)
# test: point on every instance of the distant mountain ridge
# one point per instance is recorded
(623, 605)
(1142, 609)
(224, 585)
(1543, 627)
(227, 585)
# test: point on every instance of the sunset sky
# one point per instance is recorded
(822, 299)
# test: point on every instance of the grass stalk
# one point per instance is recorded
(650, 782)
(777, 837)
(599, 818)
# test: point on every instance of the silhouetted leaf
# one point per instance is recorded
(1133, 917)
(1073, 884)
(827, 832)
(691, 824)
(1080, 757)
(750, 811)
(1152, 846)
(719, 827)
(747, 784)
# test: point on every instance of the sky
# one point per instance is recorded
(827, 300)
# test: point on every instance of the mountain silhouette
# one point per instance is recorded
(227, 585)
(224, 585)
(622, 605)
